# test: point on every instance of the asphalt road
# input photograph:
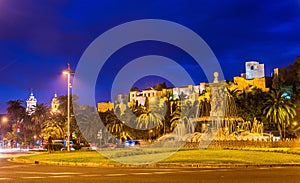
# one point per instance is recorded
(18, 172)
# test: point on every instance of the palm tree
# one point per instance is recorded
(114, 125)
(15, 110)
(38, 118)
(175, 117)
(279, 109)
(205, 108)
(88, 123)
(53, 128)
(149, 120)
(186, 110)
(18, 119)
(250, 104)
(234, 93)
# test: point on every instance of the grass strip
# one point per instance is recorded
(207, 156)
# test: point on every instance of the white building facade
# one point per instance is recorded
(31, 104)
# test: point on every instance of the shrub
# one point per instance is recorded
(57, 147)
(77, 146)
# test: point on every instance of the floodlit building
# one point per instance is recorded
(254, 77)
(105, 106)
(55, 104)
(254, 70)
(137, 96)
(31, 104)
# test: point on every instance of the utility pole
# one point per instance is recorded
(100, 137)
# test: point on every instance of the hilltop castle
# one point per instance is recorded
(254, 77)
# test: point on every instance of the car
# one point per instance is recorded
(63, 144)
(110, 145)
(65, 149)
(132, 143)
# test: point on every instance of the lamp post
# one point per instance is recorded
(100, 137)
(34, 140)
(4, 121)
(150, 135)
(295, 124)
(68, 72)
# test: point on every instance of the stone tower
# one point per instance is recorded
(254, 70)
(31, 104)
(55, 103)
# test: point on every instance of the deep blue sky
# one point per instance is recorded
(38, 38)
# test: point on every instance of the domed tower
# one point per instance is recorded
(55, 103)
(31, 104)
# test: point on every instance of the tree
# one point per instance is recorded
(54, 128)
(279, 109)
(39, 117)
(114, 125)
(250, 104)
(74, 128)
(15, 111)
(146, 105)
(175, 118)
(204, 108)
(290, 76)
(149, 120)
(17, 115)
(89, 122)
(183, 113)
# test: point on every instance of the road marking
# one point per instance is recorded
(47, 173)
(32, 177)
(222, 170)
(158, 169)
(142, 173)
(263, 168)
(162, 172)
(114, 175)
(92, 175)
(3, 178)
(12, 166)
(21, 172)
(60, 176)
(208, 170)
(186, 171)
(277, 167)
(64, 173)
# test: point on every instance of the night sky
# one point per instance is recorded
(38, 38)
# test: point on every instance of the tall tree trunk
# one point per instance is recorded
(279, 129)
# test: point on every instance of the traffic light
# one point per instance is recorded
(18, 130)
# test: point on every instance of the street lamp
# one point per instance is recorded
(34, 140)
(4, 119)
(68, 72)
(150, 135)
(295, 124)
(100, 137)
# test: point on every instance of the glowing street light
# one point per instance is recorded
(4, 119)
(150, 132)
(295, 123)
(68, 72)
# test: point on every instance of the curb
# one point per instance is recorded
(158, 165)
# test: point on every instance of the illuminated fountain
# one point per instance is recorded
(223, 122)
